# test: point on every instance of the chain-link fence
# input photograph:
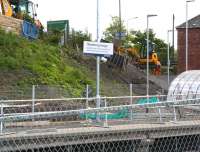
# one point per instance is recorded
(35, 91)
(56, 91)
(50, 121)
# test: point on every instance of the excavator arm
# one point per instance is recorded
(6, 8)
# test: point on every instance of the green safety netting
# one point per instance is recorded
(151, 100)
(118, 115)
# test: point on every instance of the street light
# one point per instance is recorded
(128, 21)
(168, 59)
(98, 102)
(186, 35)
(147, 87)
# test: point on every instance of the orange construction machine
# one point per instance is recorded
(137, 57)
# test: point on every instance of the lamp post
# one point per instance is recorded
(147, 87)
(98, 66)
(128, 21)
(186, 35)
(168, 59)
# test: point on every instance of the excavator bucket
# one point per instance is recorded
(118, 61)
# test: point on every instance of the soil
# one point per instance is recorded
(113, 76)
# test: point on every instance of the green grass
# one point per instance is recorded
(45, 62)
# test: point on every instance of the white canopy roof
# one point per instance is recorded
(185, 86)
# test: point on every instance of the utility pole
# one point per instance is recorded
(120, 21)
(168, 57)
(173, 50)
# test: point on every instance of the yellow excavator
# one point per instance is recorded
(121, 54)
(11, 8)
(5, 8)
(24, 10)
(18, 9)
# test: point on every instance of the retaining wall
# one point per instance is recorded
(11, 24)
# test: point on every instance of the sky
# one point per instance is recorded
(82, 13)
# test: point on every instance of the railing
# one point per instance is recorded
(18, 114)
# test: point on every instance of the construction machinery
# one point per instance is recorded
(124, 55)
(153, 60)
(24, 10)
(18, 8)
(5, 8)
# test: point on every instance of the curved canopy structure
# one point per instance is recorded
(185, 86)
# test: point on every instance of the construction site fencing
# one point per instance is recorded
(34, 91)
(120, 124)
(56, 91)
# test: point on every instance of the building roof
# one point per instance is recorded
(192, 23)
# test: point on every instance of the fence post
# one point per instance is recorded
(159, 109)
(131, 101)
(160, 114)
(162, 93)
(1, 117)
(174, 113)
(33, 99)
(87, 104)
(106, 116)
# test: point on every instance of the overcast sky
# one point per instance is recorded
(82, 13)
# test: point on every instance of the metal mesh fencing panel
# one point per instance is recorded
(141, 124)
(14, 92)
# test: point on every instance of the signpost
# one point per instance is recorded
(98, 49)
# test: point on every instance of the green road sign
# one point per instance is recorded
(60, 25)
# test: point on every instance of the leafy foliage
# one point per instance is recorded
(52, 38)
(137, 39)
(77, 38)
(114, 28)
(28, 18)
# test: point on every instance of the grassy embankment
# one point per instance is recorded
(41, 63)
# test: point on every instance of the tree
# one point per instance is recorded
(78, 37)
(114, 28)
(140, 38)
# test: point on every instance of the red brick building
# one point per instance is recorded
(193, 45)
